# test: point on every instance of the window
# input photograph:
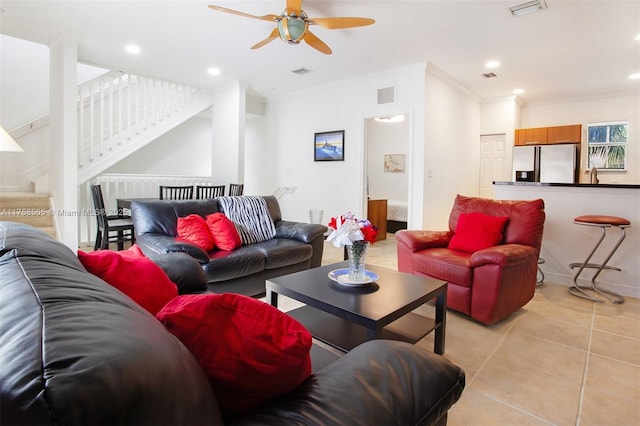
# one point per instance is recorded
(607, 145)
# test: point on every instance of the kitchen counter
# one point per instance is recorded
(564, 242)
(570, 185)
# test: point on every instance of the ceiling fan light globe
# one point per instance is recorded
(292, 29)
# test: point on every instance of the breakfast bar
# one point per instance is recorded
(564, 243)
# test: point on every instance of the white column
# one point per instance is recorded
(228, 116)
(64, 145)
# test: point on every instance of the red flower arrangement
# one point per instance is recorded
(347, 229)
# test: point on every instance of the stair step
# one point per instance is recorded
(27, 207)
(23, 200)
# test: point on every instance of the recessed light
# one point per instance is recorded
(518, 91)
(637, 38)
(492, 64)
(214, 71)
(634, 76)
(132, 49)
(390, 119)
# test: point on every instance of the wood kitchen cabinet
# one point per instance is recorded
(377, 215)
(565, 134)
(533, 136)
(549, 135)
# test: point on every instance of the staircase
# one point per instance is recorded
(119, 113)
(27, 207)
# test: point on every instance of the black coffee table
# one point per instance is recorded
(344, 316)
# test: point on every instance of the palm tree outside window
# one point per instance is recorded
(607, 145)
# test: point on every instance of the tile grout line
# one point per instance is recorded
(495, 349)
(586, 367)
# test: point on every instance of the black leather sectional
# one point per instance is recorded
(76, 351)
(297, 246)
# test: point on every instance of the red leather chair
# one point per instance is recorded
(488, 284)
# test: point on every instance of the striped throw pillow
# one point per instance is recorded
(251, 217)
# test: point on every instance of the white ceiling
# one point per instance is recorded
(572, 48)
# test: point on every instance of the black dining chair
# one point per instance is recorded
(209, 191)
(116, 229)
(176, 192)
(236, 188)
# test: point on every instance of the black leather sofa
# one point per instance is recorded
(76, 351)
(296, 246)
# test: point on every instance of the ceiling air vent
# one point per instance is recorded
(386, 95)
(527, 7)
(301, 71)
(489, 74)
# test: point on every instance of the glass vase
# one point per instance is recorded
(357, 253)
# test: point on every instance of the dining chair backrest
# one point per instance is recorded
(98, 204)
(176, 192)
(209, 191)
(111, 228)
(236, 189)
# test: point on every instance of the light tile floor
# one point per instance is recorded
(560, 360)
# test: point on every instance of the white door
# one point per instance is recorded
(493, 163)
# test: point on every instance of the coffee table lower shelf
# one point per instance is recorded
(345, 335)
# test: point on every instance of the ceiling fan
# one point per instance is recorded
(292, 25)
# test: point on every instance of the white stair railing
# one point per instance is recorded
(117, 107)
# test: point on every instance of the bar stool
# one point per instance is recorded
(603, 222)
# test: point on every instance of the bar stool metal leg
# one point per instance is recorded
(540, 281)
(578, 290)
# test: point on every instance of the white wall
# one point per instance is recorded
(24, 85)
(257, 157)
(383, 139)
(333, 186)
(594, 110)
(452, 153)
(13, 165)
(184, 150)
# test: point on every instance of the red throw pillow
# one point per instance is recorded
(250, 350)
(133, 274)
(194, 229)
(476, 231)
(224, 232)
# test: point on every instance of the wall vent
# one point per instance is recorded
(489, 75)
(386, 95)
(301, 71)
(528, 7)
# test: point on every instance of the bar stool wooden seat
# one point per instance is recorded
(603, 222)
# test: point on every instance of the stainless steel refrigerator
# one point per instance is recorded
(546, 163)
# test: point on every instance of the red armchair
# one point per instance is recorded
(488, 284)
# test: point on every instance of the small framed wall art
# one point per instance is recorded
(328, 146)
(394, 163)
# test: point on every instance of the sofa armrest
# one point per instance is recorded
(420, 240)
(161, 244)
(305, 232)
(504, 255)
(182, 269)
(380, 382)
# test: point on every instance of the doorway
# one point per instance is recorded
(493, 162)
(387, 148)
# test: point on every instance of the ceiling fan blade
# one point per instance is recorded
(246, 15)
(336, 23)
(272, 36)
(294, 6)
(316, 43)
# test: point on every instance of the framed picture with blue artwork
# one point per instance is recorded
(328, 146)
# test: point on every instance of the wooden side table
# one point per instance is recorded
(377, 214)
